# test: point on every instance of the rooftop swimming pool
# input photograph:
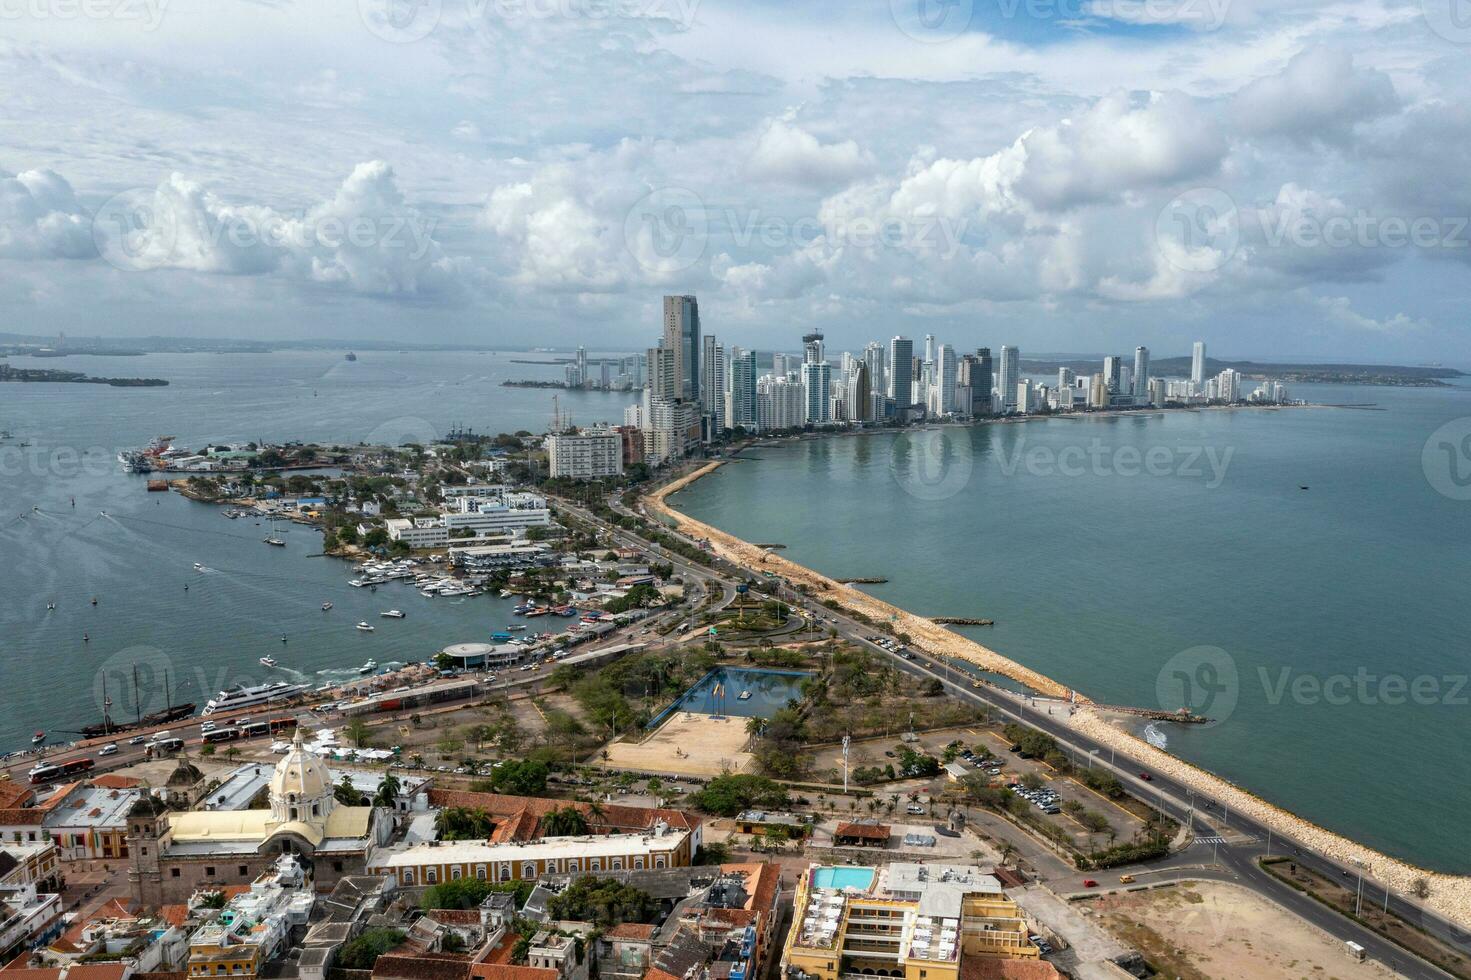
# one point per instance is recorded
(859, 878)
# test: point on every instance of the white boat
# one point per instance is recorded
(368, 667)
(199, 566)
(273, 540)
(38, 738)
(246, 697)
(365, 627)
(268, 661)
(393, 614)
(326, 606)
(516, 626)
(744, 696)
(357, 583)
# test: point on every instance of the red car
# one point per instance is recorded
(1146, 776)
(1089, 883)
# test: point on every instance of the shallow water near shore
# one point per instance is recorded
(1322, 628)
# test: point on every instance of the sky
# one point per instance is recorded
(1282, 178)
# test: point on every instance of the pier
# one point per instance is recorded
(961, 621)
(862, 581)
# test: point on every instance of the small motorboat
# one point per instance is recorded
(273, 540)
(326, 606)
(199, 566)
(516, 626)
(365, 627)
(744, 696)
(50, 605)
(393, 614)
(368, 667)
(38, 738)
(94, 600)
(283, 637)
(268, 661)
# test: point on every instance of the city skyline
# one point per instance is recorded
(898, 183)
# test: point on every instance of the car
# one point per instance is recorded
(1146, 777)
(137, 739)
(207, 726)
(1126, 879)
(1051, 809)
(914, 808)
(1089, 883)
(109, 749)
(993, 772)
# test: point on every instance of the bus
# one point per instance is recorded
(77, 765)
(221, 735)
(45, 774)
(163, 746)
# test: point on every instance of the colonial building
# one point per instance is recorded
(172, 855)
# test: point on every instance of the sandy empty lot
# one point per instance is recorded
(688, 744)
(1216, 931)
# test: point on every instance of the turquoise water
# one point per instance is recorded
(1325, 629)
(138, 560)
(859, 878)
(770, 691)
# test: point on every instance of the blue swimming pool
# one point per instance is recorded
(719, 693)
(859, 878)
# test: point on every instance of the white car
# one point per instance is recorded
(208, 726)
(109, 749)
(137, 739)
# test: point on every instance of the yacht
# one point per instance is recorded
(273, 540)
(246, 697)
(365, 627)
(268, 661)
(393, 614)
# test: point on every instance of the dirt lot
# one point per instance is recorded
(1216, 931)
(687, 744)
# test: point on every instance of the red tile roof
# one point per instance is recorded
(14, 795)
(654, 973)
(615, 816)
(422, 967)
(504, 971)
(866, 831)
(174, 915)
(97, 971)
(22, 816)
(455, 917)
(112, 780)
(630, 930)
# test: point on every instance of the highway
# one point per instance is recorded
(1246, 839)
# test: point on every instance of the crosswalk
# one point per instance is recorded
(1210, 840)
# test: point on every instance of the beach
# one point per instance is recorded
(1449, 895)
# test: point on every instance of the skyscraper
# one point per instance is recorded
(860, 401)
(712, 384)
(901, 372)
(1141, 374)
(742, 391)
(779, 365)
(1197, 367)
(663, 375)
(873, 357)
(980, 386)
(945, 372)
(929, 348)
(1111, 379)
(682, 335)
(1009, 374)
(816, 381)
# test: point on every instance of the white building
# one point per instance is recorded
(672, 429)
(590, 454)
(1009, 374)
(1197, 367)
(780, 404)
(1141, 374)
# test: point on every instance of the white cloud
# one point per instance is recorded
(787, 152)
(1320, 96)
(1337, 310)
(40, 218)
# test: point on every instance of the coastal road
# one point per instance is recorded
(1181, 802)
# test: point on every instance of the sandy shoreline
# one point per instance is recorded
(1450, 895)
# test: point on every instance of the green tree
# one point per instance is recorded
(356, 732)
(388, 790)
(728, 795)
(347, 794)
(604, 902)
(463, 823)
(363, 952)
(524, 778)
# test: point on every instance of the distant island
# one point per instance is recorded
(8, 373)
(1384, 375)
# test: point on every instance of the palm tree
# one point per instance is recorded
(567, 821)
(388, 789)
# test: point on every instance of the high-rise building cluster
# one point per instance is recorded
(696, 388)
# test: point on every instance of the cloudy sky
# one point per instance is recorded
(1279, 177)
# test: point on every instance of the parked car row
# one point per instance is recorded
(1043, 799)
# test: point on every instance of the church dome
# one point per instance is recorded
(301, 786)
